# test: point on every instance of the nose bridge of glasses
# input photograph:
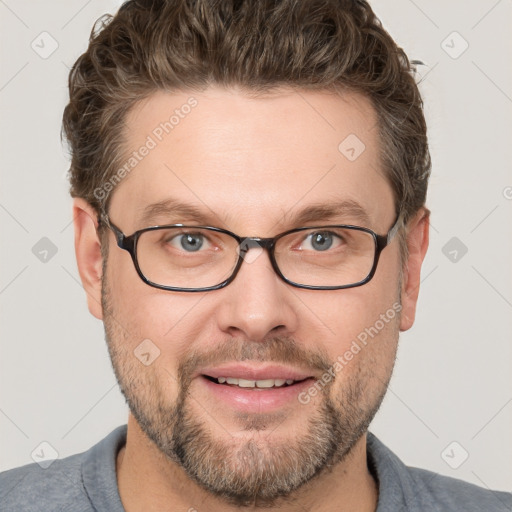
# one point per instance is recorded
(254, 242)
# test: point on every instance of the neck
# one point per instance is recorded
(148, 481)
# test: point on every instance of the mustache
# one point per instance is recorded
(278, 349)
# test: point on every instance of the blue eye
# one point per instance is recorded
(321, 240)
(190, 242)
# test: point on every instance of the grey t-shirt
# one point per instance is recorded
(86, 482)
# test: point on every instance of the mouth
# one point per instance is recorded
(255, 384)
(254, 389)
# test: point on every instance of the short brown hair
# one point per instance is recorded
(256, 45)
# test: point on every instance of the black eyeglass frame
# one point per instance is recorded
(129, 243)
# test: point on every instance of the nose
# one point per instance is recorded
(257, 303)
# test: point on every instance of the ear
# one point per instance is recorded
(88, 253)
(417, 243)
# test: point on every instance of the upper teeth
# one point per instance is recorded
(243, 383)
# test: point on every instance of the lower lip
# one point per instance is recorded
(256, 399)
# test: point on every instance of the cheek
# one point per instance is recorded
(335, 318)
(358, 328)
(163, 324)
(147, 311)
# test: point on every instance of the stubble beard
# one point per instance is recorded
(250, 471)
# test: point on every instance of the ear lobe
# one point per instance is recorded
(88, 253)
(417, 243)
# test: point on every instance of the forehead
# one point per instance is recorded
(251, 161)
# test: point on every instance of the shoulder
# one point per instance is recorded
(449, 494)
(84, 482)
(31, 487)
(403, 487)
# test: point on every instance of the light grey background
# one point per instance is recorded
(452, 381)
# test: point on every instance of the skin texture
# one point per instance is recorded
(249, 164)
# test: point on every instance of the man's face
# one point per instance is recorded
(250, 165)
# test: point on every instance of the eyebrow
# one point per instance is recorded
(173, 208)
(325, 211)
(176, 211)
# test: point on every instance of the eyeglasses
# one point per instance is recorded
(188, 258)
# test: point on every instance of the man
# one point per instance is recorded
(249, 183)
